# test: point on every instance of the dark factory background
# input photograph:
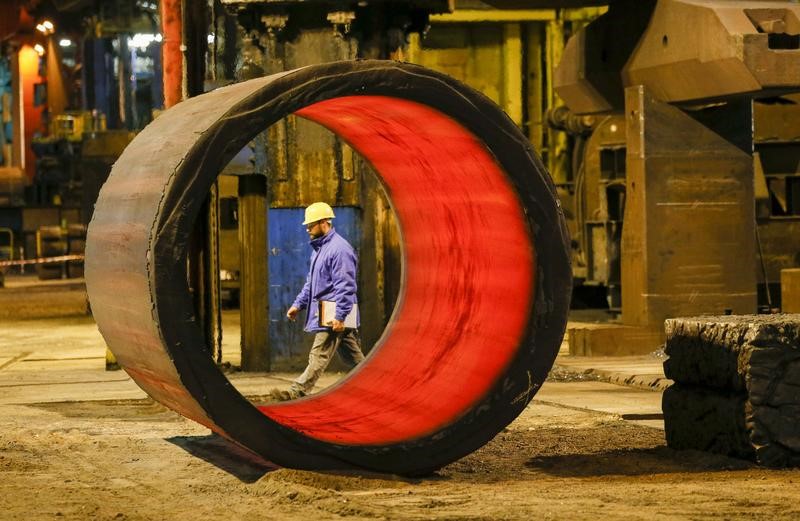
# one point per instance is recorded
(79, 79)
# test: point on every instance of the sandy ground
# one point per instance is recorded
(135, 460)
(584, 449)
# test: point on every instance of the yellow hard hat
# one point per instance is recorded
(317, 212)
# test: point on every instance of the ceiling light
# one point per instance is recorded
(143, 40)
(46, 27)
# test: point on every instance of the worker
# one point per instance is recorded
(330, 288)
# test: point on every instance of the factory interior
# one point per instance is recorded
(577, 232)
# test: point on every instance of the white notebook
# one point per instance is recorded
(327, 312)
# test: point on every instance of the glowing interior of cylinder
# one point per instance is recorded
(469, 278)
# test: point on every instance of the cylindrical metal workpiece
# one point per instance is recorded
(486, 275)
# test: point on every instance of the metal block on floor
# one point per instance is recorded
(612, 340)
(790, 290)
(735, 393)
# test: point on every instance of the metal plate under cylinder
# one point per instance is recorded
(485, 295)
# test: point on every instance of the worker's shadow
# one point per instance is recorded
(225, 455)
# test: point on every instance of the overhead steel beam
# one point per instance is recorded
(492, 15)
(433, 6)
(540, 4)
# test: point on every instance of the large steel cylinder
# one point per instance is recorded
(486, 274)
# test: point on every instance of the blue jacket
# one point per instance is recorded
(332, 276)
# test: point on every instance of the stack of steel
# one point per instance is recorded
(737, 386)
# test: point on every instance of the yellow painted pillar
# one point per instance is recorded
(30, 116)
(557, 142)
(413, 49)
(537, 77)
(56, 88)
(512, 72)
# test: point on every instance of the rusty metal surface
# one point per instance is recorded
(688, 244)
(136, 262)
(600, 203)
(777, 167)
(682, 51)
(306, 162)
(790, 290)
(254, 276)
(777, 120)
(777, 162)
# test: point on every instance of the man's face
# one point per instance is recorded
(315, 229)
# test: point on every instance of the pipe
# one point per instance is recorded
(171, 54)
(482, 307)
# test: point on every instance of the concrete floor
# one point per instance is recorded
(49, 360)
(62, 359)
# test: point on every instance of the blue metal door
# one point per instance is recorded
(289, 254)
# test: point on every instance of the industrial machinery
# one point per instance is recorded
(690, 79)
(57, 180)
(596, 199)
(683, 142)
(599, 200)
(58, 84)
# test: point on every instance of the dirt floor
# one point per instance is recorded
(78, 442)
(135, 460)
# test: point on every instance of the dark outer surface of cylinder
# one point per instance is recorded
(486, 287)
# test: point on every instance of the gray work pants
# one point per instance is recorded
(346, 343)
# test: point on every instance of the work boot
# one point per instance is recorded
(281, 395)
(295, 393)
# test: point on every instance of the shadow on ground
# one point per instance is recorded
(613, 448)
(633, 462)
(225, 455)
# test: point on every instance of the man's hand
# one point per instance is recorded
(337, 325)
(292, 313)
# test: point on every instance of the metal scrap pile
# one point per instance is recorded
(737, 386)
